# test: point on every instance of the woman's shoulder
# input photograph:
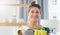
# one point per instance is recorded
(23, 28)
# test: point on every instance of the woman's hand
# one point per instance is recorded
(39, 26)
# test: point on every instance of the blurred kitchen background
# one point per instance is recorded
(16, 11)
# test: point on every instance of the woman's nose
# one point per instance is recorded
(34, 14)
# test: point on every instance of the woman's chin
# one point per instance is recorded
(34, 20)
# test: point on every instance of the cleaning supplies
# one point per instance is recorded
(28, 32)
(35, 32)
(46, 29)
(32, 32)
(40, 32)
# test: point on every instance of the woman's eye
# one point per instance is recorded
(37, 12)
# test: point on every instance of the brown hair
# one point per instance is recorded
(33, 4)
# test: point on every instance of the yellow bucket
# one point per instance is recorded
(40, 32)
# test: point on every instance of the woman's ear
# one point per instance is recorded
(40, 13)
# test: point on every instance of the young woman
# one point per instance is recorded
(34, 14)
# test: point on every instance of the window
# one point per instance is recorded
(53, 9)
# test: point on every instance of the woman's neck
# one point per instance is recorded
(32, 24)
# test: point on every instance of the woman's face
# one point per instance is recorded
(34, 14)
